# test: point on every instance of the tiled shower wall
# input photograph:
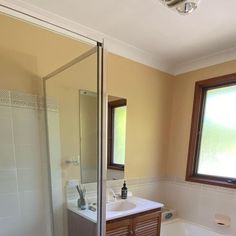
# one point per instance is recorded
(24, 209)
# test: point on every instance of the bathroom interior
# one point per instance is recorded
(77, 120)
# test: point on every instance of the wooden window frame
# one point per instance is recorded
(110, 137)
(201, 88)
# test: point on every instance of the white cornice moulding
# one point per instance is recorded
(112, 45)
(128, 51)
(211, 60)
(70, 28)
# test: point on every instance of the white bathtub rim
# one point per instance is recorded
(195, 224)
(166, 222)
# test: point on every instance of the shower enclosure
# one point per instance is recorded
(73, 135)
(46, 129)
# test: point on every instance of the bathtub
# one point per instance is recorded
(179, 227)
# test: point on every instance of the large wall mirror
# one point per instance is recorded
(116, 126)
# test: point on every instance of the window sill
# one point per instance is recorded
(210, 180)
(116, 167)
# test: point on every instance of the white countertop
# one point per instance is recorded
(141, 206)
(87, 214)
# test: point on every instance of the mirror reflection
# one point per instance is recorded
(117, 111)
(88, 136)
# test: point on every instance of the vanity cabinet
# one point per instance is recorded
(119, 227)
(142, 224)
(79, 226)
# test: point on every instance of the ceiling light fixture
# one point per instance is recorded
(183, 7)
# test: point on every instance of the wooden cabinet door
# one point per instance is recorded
(147, 224)
(119, 228)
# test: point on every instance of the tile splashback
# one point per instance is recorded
(149, 188)
(199, 203)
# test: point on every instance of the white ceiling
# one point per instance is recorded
(148, 25)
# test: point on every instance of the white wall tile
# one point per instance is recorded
(29, 225)
(54, 140)
(9, 205)
(10, 226)
(26, 126)
(5, 111)
(32, 225)
(31, 203)
(27, 156)
(56, 171)
(169, 200)
(226, 205)
(7, 160)
(146, 190)
(207, 205)
(188, 202)
(29, 179)
(56, 178)
(6, 131)
(8, 182)
(57, 197)
(6, 138)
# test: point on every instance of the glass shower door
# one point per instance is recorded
(74, 123)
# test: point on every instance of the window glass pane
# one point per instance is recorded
(119, 135)
(217, 156)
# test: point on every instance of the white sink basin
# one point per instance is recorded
(122, 205)
(130, 206)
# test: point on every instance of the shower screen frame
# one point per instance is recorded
(101, 134)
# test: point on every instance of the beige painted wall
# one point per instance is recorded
(49, 49)
(27, 53)
(183, 92)
(148, 93)
(16, 72)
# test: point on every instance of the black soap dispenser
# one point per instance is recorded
(124, 191)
